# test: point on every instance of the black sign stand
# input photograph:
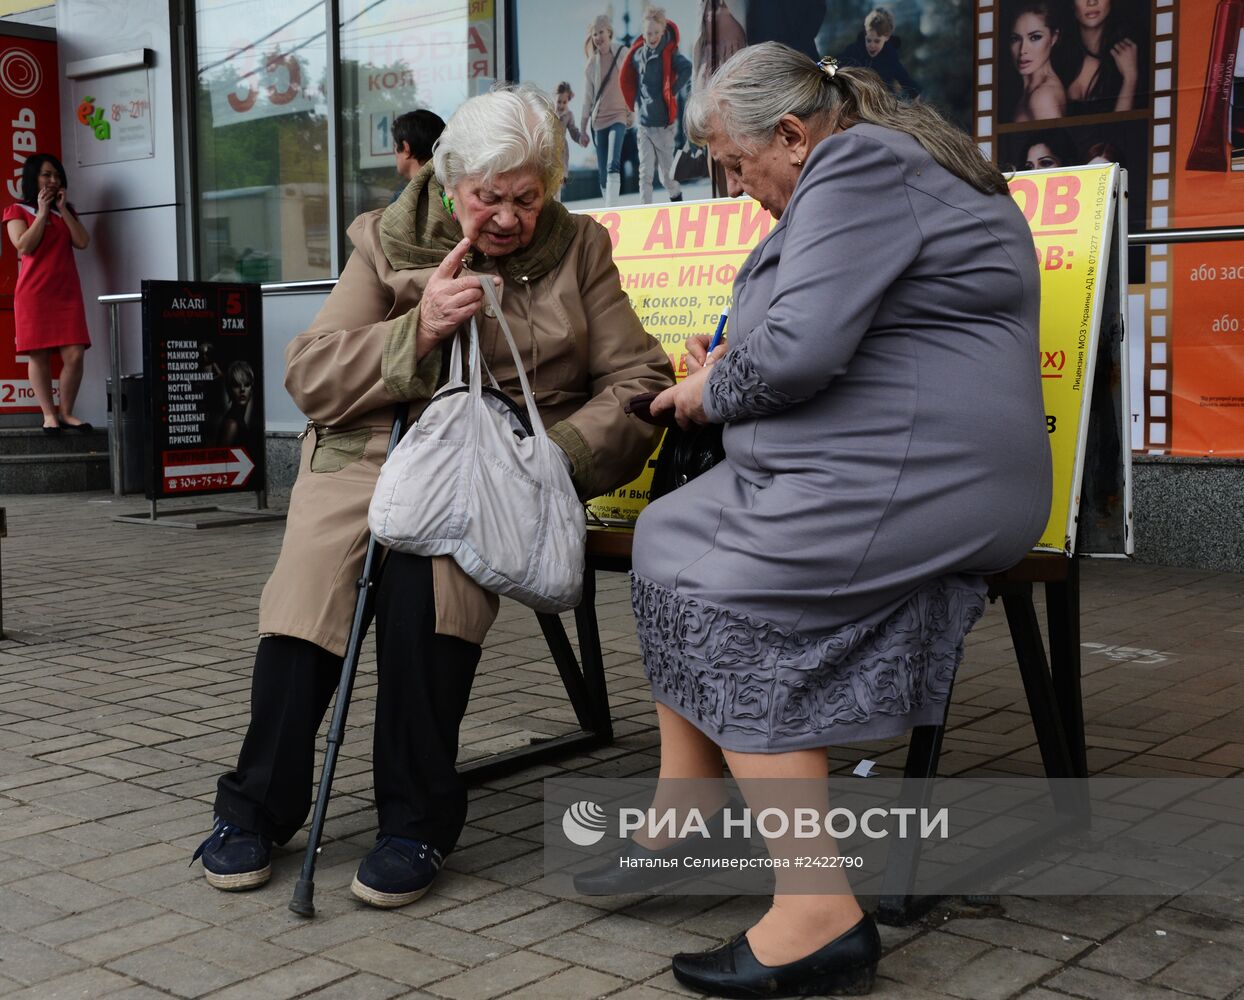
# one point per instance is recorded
(203, 399)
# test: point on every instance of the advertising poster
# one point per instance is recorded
(113, 117)
(1065, 84)
(203, 354)
(1157, 87)
(1205, 306)
(29, 122)
(1072, 214)
(261, 85)
(556, 50)
(678, 265)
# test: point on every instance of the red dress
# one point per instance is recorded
(47, 303)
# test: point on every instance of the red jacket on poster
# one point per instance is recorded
(670, 71)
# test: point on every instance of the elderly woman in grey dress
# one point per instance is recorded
(885, 450)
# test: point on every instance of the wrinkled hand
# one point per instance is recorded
(697, 352)
(686, 399)
(448, 300)
(1126, 57)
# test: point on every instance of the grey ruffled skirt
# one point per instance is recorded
(753, 687)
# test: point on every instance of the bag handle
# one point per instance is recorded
(455, 365)
(490, 293)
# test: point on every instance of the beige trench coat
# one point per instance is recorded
(586, 354)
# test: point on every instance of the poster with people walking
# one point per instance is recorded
(623, 71)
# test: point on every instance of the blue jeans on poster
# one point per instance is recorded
(608, 151)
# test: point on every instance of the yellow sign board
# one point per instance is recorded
(10, 7)
(678, 264)
(1072, 214)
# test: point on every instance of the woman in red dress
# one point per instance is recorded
(48, 301)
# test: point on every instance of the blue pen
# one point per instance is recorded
(719, 332)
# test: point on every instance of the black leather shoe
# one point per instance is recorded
(642, 869)
(846, 966)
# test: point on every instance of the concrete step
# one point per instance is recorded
(54, 473)
(32, 441)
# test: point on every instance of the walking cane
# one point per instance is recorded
(301, 902)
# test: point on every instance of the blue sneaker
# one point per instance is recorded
(396, 872)
(233, 858)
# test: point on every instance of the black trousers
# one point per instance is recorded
(424, 684)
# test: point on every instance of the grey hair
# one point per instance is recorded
(748, 95)
(509, 128)
(761, 84)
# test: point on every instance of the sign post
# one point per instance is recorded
(203, 400)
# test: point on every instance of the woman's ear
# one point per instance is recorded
(794, 136)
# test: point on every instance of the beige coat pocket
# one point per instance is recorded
(334, 450)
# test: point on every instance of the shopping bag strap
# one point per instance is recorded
(455, 364)
(490, 293)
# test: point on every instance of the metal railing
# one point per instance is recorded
(1211, 234)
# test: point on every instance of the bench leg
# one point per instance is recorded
(593, 658)
(1057, 749)
(1062, 602)
(568, 666)
(1021, 616)
(897, 906)
(586, 688)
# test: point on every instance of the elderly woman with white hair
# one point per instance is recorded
(485, 205)
(885, 449)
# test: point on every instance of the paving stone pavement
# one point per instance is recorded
(123, 693)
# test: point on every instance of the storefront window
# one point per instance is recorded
(263, 150)
(397, 58)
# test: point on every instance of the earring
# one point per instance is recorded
(799, 162)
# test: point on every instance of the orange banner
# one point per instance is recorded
(1206, 377)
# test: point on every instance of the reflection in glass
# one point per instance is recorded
(397, 57)
(262, 139)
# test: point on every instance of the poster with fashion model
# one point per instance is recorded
(1073, 77)
(1072, 58)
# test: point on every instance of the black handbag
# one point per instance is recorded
(684, 454)
(690, 164)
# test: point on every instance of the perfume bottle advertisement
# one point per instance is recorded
(1205, 314)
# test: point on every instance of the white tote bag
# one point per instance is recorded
(469, 481)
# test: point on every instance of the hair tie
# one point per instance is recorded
(828, 66)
